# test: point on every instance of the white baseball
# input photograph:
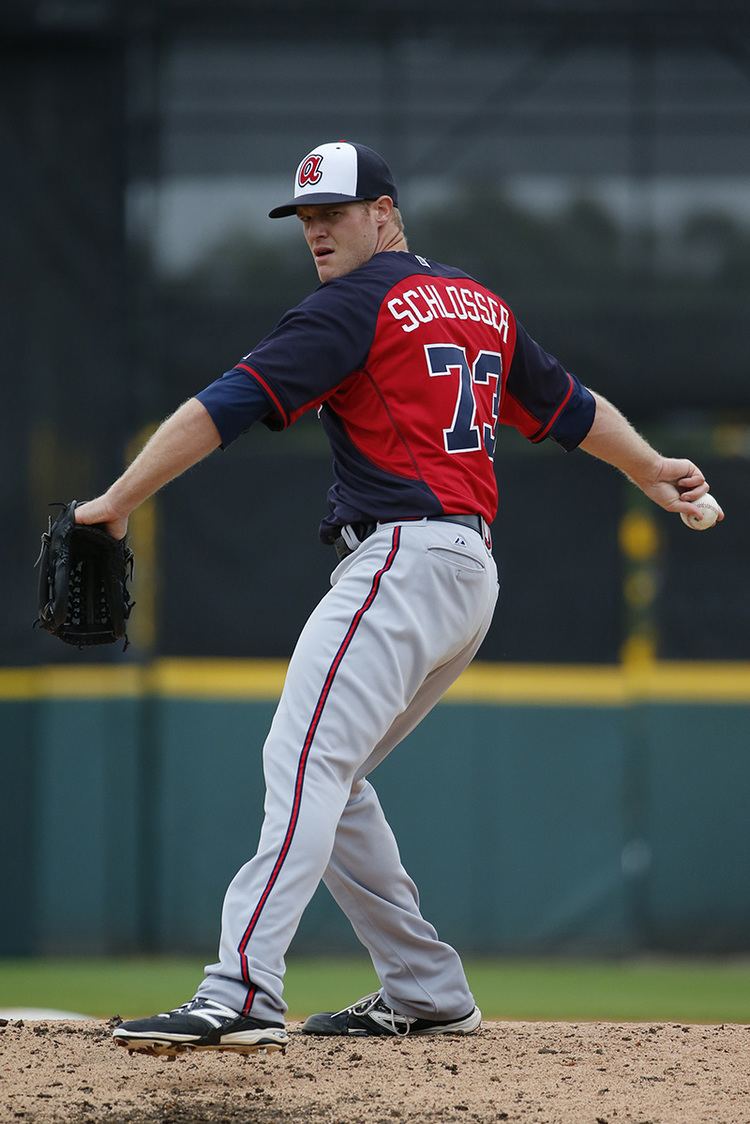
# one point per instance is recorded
(709, 510)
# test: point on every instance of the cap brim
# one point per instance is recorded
(311, 200)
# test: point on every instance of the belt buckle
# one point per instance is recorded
(349, 540)
(342, 550)
(350, 537)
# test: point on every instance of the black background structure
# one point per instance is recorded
(108, 108)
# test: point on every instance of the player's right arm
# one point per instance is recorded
(542, 399)
(181, 441)
(672, 483)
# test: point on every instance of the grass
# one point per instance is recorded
(564, 990)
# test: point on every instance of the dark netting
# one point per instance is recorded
(589, 162)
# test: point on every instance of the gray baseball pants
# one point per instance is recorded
(406, 613)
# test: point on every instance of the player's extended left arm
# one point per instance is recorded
(671, 483)
(181, 441)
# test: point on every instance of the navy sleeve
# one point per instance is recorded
(574, 421)
(234, 402)
(318, 344)
(541, 399)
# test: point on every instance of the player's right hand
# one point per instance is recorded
(676, 486)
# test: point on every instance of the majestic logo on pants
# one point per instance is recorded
(309, 171)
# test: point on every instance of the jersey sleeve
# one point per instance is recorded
(541, 399)
(315, 346)
(234, 402)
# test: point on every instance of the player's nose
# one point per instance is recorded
(316, 228)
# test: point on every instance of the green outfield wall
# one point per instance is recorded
(540, 810)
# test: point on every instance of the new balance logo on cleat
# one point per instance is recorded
(201, 1024)
(373, 1016)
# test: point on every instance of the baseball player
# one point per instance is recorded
(410, 365)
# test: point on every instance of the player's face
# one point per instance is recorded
(341, 236)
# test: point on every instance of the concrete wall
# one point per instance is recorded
(539, 810)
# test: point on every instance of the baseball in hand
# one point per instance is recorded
(709, 510)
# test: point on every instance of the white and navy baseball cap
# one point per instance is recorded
(339, 172)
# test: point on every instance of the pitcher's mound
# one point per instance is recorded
(545, 1073)
(44, 1013)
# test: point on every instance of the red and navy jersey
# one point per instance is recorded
(411, 365)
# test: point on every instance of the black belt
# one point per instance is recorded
(363, 531)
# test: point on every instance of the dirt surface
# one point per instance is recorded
(548, 1073)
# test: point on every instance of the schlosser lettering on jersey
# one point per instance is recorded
(384, 351)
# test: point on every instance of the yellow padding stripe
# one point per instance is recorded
(224, 679)
(83, 681)
(520, 684)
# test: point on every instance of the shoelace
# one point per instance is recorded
(179, 1010)
(191, 1004)
(185, 1007)
(368, 1002)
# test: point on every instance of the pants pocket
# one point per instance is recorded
(457, 558)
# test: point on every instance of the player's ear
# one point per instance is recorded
(383, 209)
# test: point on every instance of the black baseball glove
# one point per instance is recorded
(83, 576)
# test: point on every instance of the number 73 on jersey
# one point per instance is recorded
(464, 434)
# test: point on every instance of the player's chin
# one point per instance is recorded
(327, 267)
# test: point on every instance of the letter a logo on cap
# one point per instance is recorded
(338, 172)
(309, 170)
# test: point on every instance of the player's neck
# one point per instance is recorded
(391, 240)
